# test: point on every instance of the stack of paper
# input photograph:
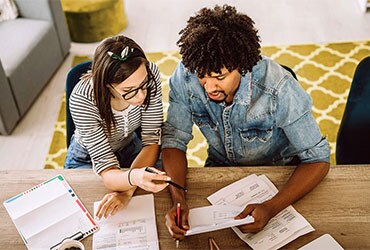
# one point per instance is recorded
(133, 227)
(282, 229)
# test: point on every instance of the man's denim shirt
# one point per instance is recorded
(268, 123)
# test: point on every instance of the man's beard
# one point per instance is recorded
(221, 100)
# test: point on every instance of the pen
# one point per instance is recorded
(178, 210)
(148, 169)
(76, 236)
(176, 185)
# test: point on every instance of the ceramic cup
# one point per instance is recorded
(71, 245)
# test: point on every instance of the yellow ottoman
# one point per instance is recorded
(93, 20)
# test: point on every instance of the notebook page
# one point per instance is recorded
(47, 215)
(34, 198)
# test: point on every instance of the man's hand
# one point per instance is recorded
(113, 202)
(178, 232)
(261, 214)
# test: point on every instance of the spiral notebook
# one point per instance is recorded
(49, 213)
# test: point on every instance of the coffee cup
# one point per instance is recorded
(71, 245)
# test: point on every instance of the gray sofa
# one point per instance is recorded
(32, 47)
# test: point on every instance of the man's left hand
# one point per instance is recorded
(261, 214)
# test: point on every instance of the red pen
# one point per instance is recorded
(178, 217)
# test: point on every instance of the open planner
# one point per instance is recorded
(49, 213)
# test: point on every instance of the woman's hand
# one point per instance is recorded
(113, 202)
(152, 182)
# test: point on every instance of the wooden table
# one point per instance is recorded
(340, 205)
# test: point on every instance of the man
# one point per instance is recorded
(250, 110)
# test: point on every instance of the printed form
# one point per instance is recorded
(281, 229)
(215, 217)
(133, 227)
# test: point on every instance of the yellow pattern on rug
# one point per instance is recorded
(324, 70)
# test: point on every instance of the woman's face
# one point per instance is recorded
(134, 88)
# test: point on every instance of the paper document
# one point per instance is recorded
(325, 241)
(211, 218)
(133, 227)
(48, 213)
(281, 229)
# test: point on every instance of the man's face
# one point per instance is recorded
(221, 87)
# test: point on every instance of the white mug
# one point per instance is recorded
(71, 243)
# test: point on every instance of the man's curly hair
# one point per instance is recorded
(217, 38)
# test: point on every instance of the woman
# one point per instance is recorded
(121, 94)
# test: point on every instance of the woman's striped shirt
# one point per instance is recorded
(91, 131)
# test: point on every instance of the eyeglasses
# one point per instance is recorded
(130, 94)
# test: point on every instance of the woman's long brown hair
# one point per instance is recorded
(106, 70)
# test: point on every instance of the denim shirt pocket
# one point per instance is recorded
(203, 121)
(252, 134)
(255, 141)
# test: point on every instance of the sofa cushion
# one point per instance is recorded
(14, 49)
(9, 115)
(29, 44)
(8, 10)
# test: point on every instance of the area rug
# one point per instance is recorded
(324, 70)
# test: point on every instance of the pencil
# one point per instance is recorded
(214, 244)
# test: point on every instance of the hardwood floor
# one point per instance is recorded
(156, 28)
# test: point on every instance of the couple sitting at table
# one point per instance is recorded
(250, 109)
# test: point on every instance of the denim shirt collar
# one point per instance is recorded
(244, 93)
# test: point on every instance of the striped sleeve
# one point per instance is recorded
(89, 126)
(152, 117)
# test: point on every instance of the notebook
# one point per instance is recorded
(49, 213)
